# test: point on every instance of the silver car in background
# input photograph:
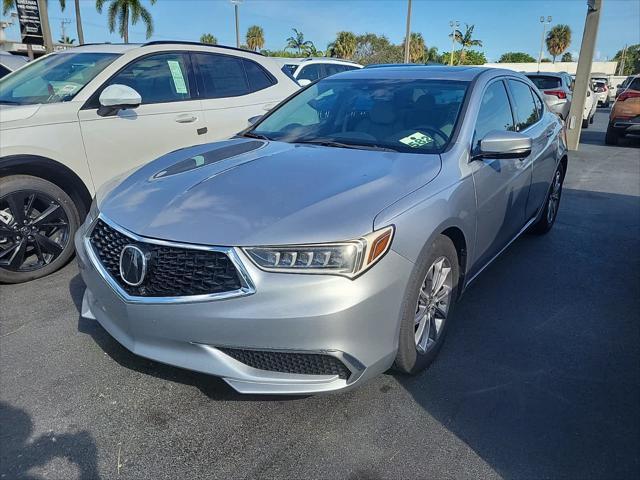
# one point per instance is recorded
(556, 88)
(330, 241)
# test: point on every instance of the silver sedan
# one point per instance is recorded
(330, 241)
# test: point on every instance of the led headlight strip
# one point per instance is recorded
(349, 258)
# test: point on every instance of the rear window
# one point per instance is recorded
(544, 82)
(635, 84)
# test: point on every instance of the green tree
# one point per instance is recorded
(297, 42)
(631, 59)
(466, 41)
(255, 38)
(431, 55)
(372, 49)
(344, 46)
(417, 48)
(516, 57)
(471, 57)
(567, 57)
(558, 40)
(208, 38)
(121, 11)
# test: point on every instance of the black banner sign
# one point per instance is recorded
(30, 25)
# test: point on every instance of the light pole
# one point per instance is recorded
(544, 31)
(407, 38)
(236, 3)
(454, 24)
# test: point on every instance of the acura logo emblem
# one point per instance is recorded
(133, 265)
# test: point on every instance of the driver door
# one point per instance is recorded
(169, 118)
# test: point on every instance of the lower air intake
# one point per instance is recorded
(284, 362)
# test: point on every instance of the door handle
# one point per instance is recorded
(550, 132)
(186, 118)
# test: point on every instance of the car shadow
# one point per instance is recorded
(77, 448)
(213, 387)
(540, 374)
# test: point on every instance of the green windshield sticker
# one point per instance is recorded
(199, 159)
(178, 78)
(417, 140)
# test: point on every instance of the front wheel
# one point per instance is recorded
(37, 223)
(551, 205)
(612, 136)
(427, 305)
(585, 123)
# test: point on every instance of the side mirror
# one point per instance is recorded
(117, 97)
(254, 120)
(498, 144)
(303, 82)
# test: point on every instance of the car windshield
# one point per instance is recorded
(414, 116)
(545, 82)
(56, 78)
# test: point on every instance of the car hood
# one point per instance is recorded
(11, 113)
(249, 192)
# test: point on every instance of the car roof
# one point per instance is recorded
(299, 60)
(420, 72)
(12, 62)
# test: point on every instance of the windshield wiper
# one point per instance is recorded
(353, 146)
(254, 135)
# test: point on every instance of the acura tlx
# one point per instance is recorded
(330, 241)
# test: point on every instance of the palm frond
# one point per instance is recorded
(148, 21)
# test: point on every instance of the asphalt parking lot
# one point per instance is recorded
(539, 377)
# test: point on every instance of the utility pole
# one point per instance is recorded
(622, 61)
(236, 3)
(407, 38)
(544, 32)
(583, 73)
(454, 25)
(63, 23)
(46, 29)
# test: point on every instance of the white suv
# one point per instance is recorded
(307, 70)
(73, 119)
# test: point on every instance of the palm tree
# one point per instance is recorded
(344, 45)
(255, 38)
(417, 48)
(208, 38)
(121, 11)
(558, 40)
(66, 40)
(466, 41)
(431, 54)
(298, 42)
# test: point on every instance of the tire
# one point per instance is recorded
(612, 136)
(409, 360)
(593, 117)
(44, 239)
(548, 217)
(585, 123)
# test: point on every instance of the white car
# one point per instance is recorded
(307, 70)
(73, 119)
(590, 106)
(600, 88)
(10, 63)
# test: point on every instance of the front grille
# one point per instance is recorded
(285, 362)
(171, 271)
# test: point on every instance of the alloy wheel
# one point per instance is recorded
(34, 230)
(433, 303)
(554, 198)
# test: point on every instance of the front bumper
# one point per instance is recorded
(355, 321)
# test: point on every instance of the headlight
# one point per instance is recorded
(349, 258)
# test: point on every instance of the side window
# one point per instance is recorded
(332, 69)
(221, 75)
(257, 76)
(539, 104)
(4, 71)
(158, 78)
(525, 108)
(494, 112)
(311, 72)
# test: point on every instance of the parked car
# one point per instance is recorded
(340, 230)
(10, 62)
(623, 86)
(307, 70)
(601, 91)
(625, 114)
(72, 120)
(557, 90)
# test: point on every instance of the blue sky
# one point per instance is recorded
(503, 25)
